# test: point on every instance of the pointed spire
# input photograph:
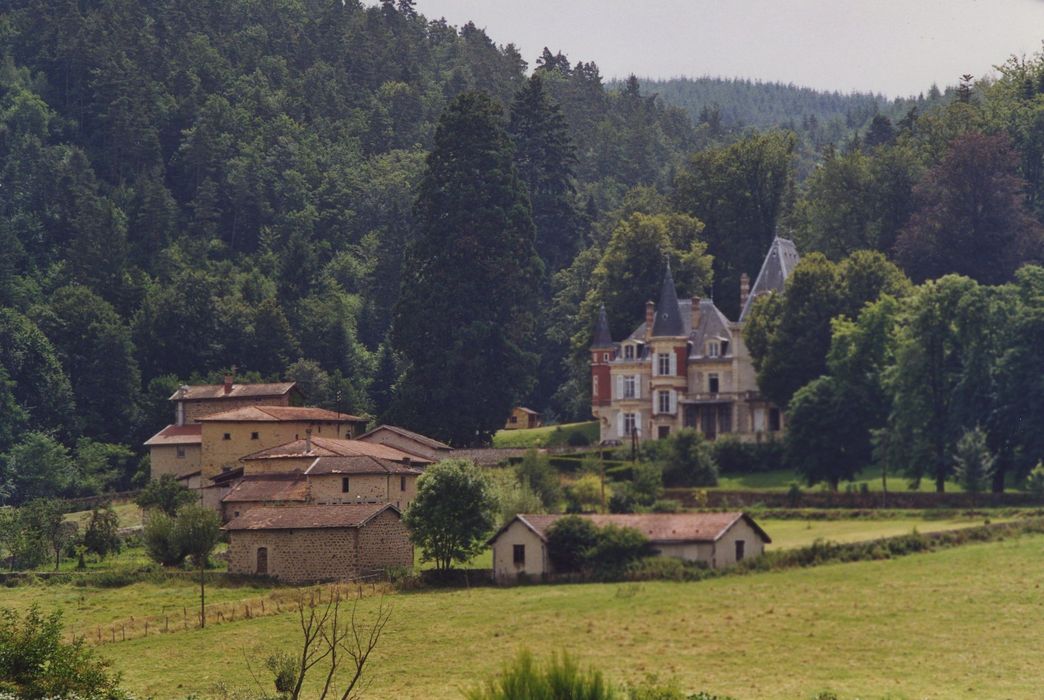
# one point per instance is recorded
(668, 313)
(602, 337)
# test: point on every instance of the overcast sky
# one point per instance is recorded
(896, 47)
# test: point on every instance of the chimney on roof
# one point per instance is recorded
(695, 313)
(308, 440)
(228, 384)
(179, 411)
(650, 318)
(744, 290)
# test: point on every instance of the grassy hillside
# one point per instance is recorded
(868, 630)
(547, 436)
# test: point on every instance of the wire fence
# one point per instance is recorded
(184, 618)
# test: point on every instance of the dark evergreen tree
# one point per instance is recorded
(471, 281)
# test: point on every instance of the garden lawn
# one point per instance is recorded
(966, 622)
(128, 513)
(547, 436)
(781, 479)
(788, 534)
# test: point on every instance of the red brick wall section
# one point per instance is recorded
(683, 354)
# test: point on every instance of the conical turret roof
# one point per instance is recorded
(602, 337)
(668, 314)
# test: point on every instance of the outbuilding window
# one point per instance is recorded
(740, 547)
(181, 452)
(402, 483)
(518, 554)
(226, 436)
(262, 561)
(255, 436)
(344, 484)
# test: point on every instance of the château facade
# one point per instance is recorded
(686, 366)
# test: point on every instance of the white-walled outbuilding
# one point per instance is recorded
(717, 539)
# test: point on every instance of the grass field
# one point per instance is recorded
(787, 534)
(129, 514)
(781, 479)
(960, 623)
(547, 436)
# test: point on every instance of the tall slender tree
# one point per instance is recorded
(465, 314)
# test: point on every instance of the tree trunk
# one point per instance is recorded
(998, 480)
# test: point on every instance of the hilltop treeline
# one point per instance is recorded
(190, 186)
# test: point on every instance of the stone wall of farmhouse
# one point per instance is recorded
(324, 554)
(384, 543)
(363, 488)
(253, 467)
(164, 459)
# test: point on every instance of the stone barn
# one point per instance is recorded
(311, 543)
(717, 539)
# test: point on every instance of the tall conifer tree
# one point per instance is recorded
(470, 283)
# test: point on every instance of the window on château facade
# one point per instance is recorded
(628, 352)
(713, 349)
(712, 383)
(664, 364)
(629, 424)
(629, 387)
(664, 399)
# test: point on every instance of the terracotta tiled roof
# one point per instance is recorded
(268, 487)
(274, 414)
(238, 391)
(422, 439)
(331, 447)
(358, 464)
(308, 517)
(658, 527)
(191, 434)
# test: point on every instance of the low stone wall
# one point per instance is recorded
(492, 456)
(914, 500)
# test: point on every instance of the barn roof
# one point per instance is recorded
(309, 517)
(416, 437)
(660, 528)
(330, 447)
(268, 487)
(191, 434)
(359, 464)
(275, 414)
(198, 392)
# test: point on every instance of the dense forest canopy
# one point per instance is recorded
(192, 185)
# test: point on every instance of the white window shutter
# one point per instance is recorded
(619, 386)
(620, 425)
(638, 422)
(637, 386)
(655, 408)
(674, 401)
(674, 364)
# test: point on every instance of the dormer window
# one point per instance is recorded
(724, 348)
(628, 352)
(713, 349)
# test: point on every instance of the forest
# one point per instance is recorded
(192, 186)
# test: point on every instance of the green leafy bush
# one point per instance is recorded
(569, 540)
(560, 678)
(161, 539)
(733, 456)
(688, 460)
(1035, 480)
(615, 548)
(536, 472)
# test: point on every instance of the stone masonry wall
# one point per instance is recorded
(194, 410)
(384, 542)
(326, 488)
(297, 556)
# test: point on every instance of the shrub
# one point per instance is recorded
(794, 495)
(161, 540)
(973, 462)
(536, 472)
(35, 662)
(1035, 480)
(615, 548)
(514, 497)
(569, 540)
(688, 460)
(666, 505)
(585, 494)
(665, 569)
(102, 535)
(578, 439)
(164, 494)
(561, 678)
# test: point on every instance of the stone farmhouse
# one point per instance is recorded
(409, 442)
(716, 539)
(310, 543)
(686, 366)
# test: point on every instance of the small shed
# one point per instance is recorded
(717, 539)
(307, 544)
(522, 417)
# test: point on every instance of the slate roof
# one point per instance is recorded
(199, 392)
(331, 447)
(308, 517)
(660, 528)
(416, 437)
(713, 324)
(359, 464)
(191, 434)
(269, 487)
(274, 414)
(602, 338)
(780, 261)
(669, 320)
